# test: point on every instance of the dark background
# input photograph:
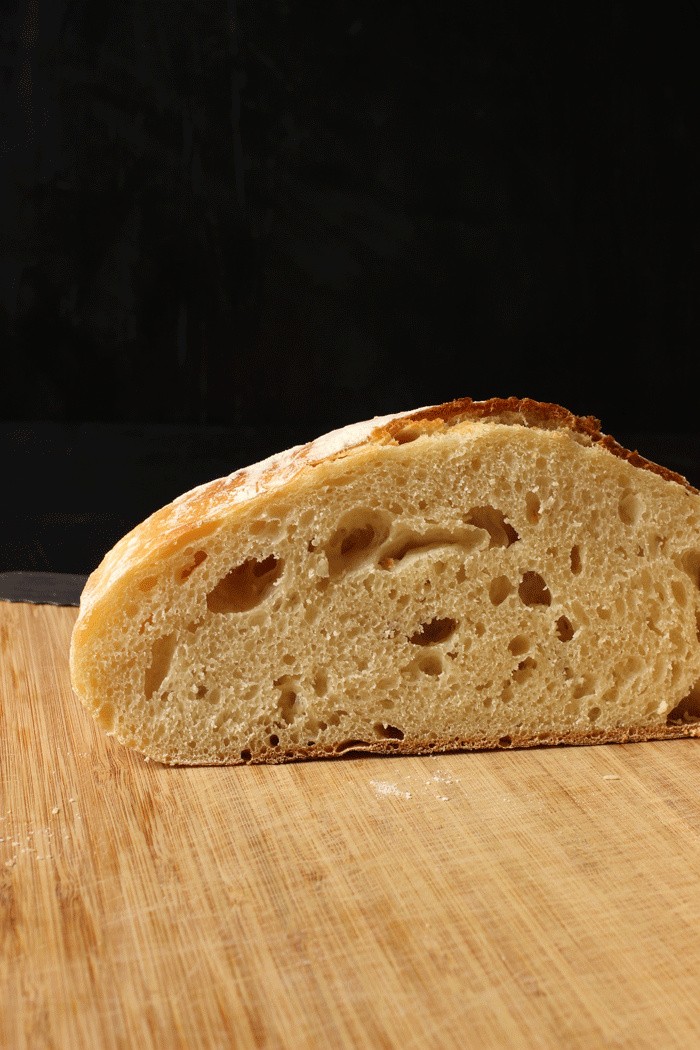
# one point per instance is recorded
(227, 227)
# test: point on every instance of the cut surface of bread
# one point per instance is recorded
(470, 575)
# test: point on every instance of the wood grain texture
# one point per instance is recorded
(492, 900)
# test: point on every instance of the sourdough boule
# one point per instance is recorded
(469, 575)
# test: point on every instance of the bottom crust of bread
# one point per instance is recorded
(513, 742)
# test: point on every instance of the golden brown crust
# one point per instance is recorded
(542, 414)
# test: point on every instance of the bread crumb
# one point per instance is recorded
(610, 776)
(56, 809)
(442, 778)
(381, 787)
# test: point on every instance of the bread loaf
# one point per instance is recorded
(471, 575)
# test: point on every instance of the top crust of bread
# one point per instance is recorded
(202, 511)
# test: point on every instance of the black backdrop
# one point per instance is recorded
(218, 212)
(276, 217)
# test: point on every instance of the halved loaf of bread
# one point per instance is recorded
(472, 575)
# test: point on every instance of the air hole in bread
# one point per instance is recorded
(287, 703)
(587, 685)
(321, 683)
(532, 507)
(161, 657)
(677, 640)
(245, 754)
(524, 670)
(274, 740)
(505, 741)
(688, 710)
(594, 713)
(499, 589)
(519, 645)
(187, 571)
(408, 434)
(355, 539)
(346, 745)
(500, 531)
(430, 663)
(576, 559)
(564, 629)
(679, 592)
(533, 590)
(690, 563)
(413, 544)
(245, 586)
(628, 669)
(656, 545)
(148, 583)
(435, 631)
(630, 508)
(387, 732)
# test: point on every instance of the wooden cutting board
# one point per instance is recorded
(544, 898)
